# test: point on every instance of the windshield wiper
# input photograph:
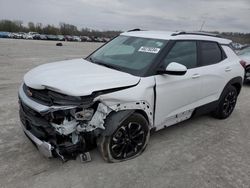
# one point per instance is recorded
(91, 60)
(104, 64)
(108, 66)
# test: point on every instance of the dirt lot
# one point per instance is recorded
(202, 152)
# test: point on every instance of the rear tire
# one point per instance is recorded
(247, 74)
(123, 138)
(227, 103)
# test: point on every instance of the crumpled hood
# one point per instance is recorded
(77, 77)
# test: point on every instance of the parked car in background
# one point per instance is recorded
(245, 56)
(19, 35)
(36, 36)
(4, 34)
(60, 38)
(85, 39)
(68, 38)
(11, 35)
(32, 35)
(96, 39)
(76, 38)
(43, 37)
(105, 39)
(23, 34)
(52, 37)
(29, 36)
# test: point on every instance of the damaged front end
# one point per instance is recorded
(59, 125)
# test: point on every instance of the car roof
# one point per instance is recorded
(168, 35)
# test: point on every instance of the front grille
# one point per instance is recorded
(40, 96)
(35, 122)
(49, 98)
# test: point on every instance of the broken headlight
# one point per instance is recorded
(84, 115)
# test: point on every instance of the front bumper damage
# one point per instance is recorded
(44, 147)
(65, 138)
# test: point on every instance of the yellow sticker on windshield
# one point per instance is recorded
(149, 50)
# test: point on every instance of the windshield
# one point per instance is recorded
(129, 54)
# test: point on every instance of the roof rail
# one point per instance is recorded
(137, 29)
(196, 33)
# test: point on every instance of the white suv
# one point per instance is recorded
(139, 81)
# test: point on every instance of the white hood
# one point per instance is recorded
(77, 77)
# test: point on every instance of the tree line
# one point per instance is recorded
(63, 29)
(69, 29)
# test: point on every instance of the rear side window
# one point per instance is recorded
(210, 53)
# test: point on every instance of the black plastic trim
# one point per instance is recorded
(236, 80)
(196, 33)
(207, 108)
(132, 30)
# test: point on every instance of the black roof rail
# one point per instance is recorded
(137, 29)
(178, 33)
(196, 33)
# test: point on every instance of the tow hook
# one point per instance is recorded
(85, 157)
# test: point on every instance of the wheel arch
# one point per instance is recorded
(141, 107)
(140, 111)
(114, 119)
(236, 82)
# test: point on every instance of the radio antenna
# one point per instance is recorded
(203, 23)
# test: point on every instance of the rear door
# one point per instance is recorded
(213, 68)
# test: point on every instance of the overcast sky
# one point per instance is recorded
(219, 15)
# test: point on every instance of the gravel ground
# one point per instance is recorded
(202, 152)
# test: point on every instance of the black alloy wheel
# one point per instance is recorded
(128, 140)
(125, 136)
(247, 74)
(227, 103)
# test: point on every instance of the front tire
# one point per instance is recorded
(123, 139)
(227, 103)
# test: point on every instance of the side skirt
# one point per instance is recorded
(176, 119)
(205, 109)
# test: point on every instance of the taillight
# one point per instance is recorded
(243, 63)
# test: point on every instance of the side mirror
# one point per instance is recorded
(174, 69)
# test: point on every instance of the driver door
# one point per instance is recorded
(176, 94)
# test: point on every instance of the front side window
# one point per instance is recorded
(183, 52)
(128, 54)
(210, 53)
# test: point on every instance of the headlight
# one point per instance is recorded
(84, 115)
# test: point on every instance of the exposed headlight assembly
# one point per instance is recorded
(84, 115)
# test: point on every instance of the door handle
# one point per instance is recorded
(196, 76)
(227, 69)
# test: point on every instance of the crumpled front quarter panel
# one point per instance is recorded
(139, 97)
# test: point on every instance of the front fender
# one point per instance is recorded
(137, 105)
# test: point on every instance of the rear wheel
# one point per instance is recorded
(124, 140)
(227, 103)
(247, 74)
